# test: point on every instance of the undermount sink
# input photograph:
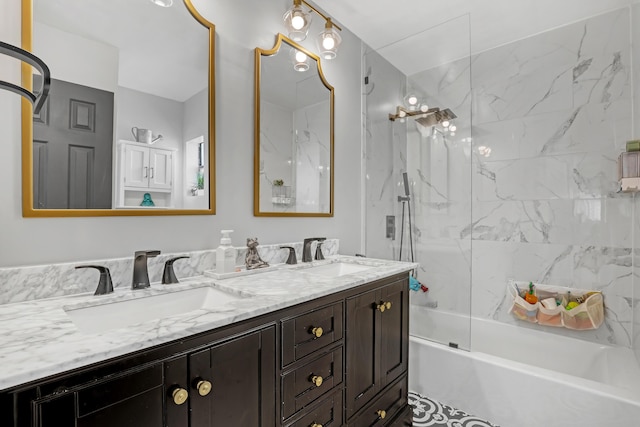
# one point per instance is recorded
(119, 314)
(336, 269)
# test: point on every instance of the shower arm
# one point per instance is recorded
(25, 56)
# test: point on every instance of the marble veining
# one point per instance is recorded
(36, 282)
(38, 339)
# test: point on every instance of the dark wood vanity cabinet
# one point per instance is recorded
(339, 360)
(377, 332)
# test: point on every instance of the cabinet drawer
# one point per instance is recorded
(327, 413)
(392, 401)
(301, 335)
(307, 383)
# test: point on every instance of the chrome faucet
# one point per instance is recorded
(306, 247)
(140, 272)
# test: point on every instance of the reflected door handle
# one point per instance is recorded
(151, 173)
(382, 413)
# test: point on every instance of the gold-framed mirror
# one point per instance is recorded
(129, 125)
(294, 115)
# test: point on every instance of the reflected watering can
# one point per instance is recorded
(144, 135)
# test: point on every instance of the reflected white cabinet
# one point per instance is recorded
(143, 169)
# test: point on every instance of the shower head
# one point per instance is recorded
(432, 119)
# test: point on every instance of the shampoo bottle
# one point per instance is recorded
(225, 254)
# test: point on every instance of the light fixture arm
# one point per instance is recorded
(326, 18)
(25, 56)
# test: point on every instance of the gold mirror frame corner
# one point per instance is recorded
(28, 211)
(259, 52)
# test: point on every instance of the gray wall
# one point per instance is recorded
(45, 240)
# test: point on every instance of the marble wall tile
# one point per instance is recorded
(19, 284)
(494, 263)
(555, 110)
(580, 221)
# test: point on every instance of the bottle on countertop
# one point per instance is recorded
(226, 254)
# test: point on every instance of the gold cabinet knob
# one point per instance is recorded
(315, 425)
(388, 305)
(317, 332)
(317, 380)
(381, 307)
(179, 395)
(203, 387)
(382, 413)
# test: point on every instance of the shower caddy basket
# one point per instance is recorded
(588, 314)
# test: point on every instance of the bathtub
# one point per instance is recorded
(521, 377)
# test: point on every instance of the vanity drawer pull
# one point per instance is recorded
(382, 413)
(316, 332)
(146, 172)
(203, 386)
(317, 380)
(179, 395)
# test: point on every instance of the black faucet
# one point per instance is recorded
(169, 276)
(140, 273)
(105, 285)
(306, 247)
(292, 254)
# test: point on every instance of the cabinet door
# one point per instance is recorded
(136, 166)
(135, 399)
(362, 343)
(242, 376)
(394, 328)
(160, 169)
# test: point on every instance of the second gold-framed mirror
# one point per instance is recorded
(129, 125)
(294, 133)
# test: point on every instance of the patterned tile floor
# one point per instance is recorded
(429, 413)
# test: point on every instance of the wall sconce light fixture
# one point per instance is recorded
(37, 98)
(297, 22)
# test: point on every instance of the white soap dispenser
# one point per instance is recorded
(225, 254)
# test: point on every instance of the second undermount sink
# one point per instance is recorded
(336, 269)
(120, 314)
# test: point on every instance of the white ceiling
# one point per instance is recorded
(160, 49)
(413, 36)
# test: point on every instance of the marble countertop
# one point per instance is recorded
(39, 339)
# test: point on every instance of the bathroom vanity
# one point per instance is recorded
(320, 344)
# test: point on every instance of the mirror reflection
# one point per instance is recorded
(126, 126)
(294, 133)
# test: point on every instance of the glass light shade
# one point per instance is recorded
(163, 3)
(328, 41)
(299, 59)
(424, 108)
(411, 101)
(445, 123)
(297, 22)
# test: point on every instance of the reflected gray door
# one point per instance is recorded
(72, 148)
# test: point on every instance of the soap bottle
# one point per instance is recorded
(225, 254)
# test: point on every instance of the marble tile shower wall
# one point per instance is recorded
(635, 42)
(19, 284)
(556, 110)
